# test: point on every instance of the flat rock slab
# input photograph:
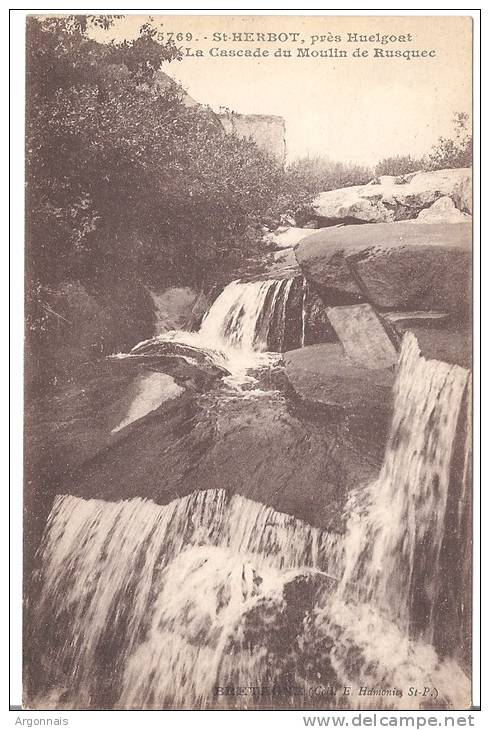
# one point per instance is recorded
(395, 266)
(363, 336)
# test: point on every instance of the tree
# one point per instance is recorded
(125, 183)
(455, 151)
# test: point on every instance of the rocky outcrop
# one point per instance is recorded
(397, 266)
(394, 198)
(267, 131)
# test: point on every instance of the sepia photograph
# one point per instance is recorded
(248, 394)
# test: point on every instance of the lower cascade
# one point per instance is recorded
(186, 604)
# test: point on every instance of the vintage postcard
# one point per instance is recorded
(248, 355)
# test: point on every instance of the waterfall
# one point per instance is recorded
(396, 525)
(303, 312)
(160, 589)
(147, 606)
(240, 325)
(242, 315)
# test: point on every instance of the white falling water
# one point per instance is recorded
(395, 529)
(303, 311)
(396, 525)
(182, 575)
(239, 324)
(167, 591)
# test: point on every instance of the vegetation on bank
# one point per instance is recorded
(129, 188)
(448, 152)
(125, 183)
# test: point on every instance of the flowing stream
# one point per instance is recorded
(145, 606)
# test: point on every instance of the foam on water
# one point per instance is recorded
(236, 330)
(145, 605)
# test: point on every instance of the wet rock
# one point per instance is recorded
(324, 374)
(317, 325)
(184, 362)
(69, 427)
(299, 461)
(393, 198)
(364, 336)
(403, 266)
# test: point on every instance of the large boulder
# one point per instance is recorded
(364, 336)
(267, 449)
(357, 204)
(394, 198)
(396, 266)
(442, 211)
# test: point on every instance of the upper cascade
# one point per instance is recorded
(243, 329)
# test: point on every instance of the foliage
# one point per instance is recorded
(399, 165)
(318, 174)
(455, 151)
(124, 180)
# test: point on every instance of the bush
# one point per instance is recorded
(318, 174)
(398, 165)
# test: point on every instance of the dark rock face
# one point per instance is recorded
(317, 326)
(399, 266)
(301, 461)
(254, 447)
